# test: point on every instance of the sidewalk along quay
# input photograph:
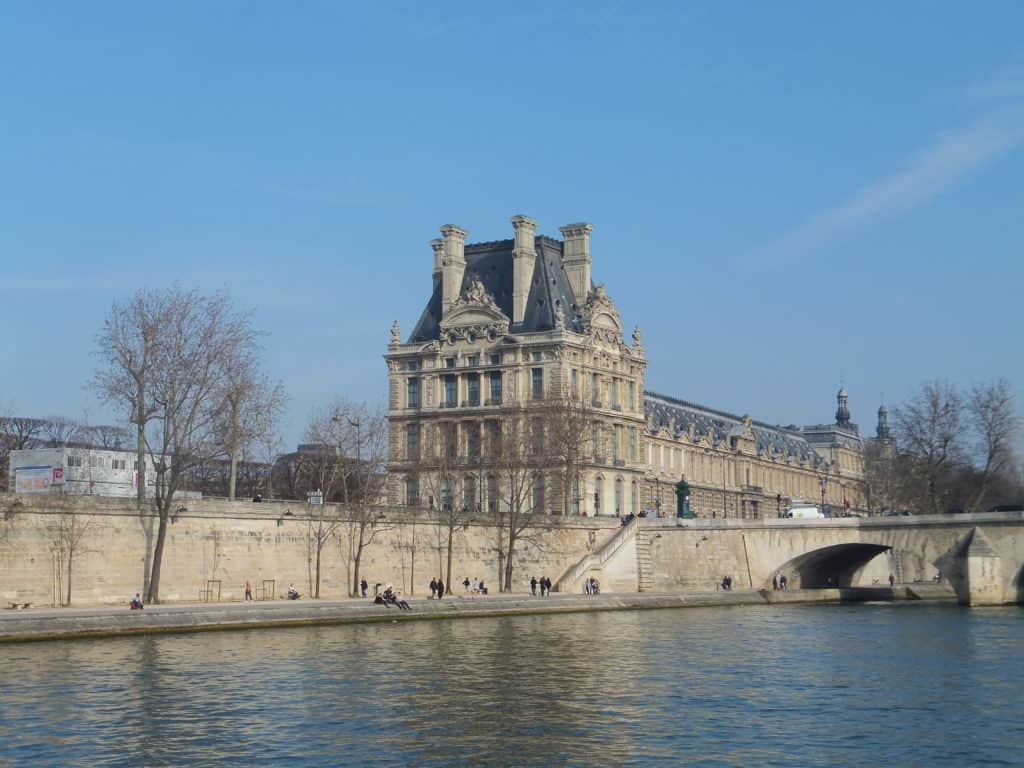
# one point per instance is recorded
(36, 624)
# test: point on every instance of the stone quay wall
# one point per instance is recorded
(214, 545)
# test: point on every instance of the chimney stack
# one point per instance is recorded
(524, 256)
(453, 263)
(438, 245)
(576, 258)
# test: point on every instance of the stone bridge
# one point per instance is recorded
(980, 555)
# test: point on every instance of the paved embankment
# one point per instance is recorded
(60, 623)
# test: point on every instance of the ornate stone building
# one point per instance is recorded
(514, 326)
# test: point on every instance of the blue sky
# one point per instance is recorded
(783, 194)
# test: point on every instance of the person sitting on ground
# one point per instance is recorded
(293, 593)
(136, 603)
(401, 602)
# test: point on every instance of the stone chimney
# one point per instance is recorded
(453, 264)
(524, 255)
(576, 258)
(438, 245)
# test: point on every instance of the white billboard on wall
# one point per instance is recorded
(37, 479)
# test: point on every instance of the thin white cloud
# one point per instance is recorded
(926, 175)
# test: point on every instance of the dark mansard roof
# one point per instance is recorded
(771, 440)
(492, 263)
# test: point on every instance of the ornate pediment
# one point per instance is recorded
(601, 317)
(474, 315)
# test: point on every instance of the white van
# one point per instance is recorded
(804, 512)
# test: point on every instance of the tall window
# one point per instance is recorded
(473, 441)
(537, 376)
(618, 496)
(495, 387)
(492, 493)
(469, 493)
(576, 495)
(473, 388)
(494, 437)
(632, 395)
(451, 388)
(496, 358)
(451, 441)
(598, 495)
(446, 495)
(632, 443)
(595, 389)
(537, 435)
(574, 384)
(615, 393)
(413, 392)
(412, 492)
(595, 440)
(616, 431)
(538, 493)
(634, 499)
(412, 441)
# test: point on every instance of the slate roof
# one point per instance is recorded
(492, 263)
(771, 440)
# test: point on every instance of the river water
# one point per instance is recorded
(864, 685)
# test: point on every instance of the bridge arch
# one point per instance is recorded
(834, 565)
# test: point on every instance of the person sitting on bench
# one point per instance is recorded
(136, 603)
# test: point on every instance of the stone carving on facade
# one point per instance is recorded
(601, 317)
(396, 333)
(559, 317)
(474, 316)
(637, 338)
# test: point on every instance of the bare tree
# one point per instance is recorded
(129, 347)
(362, 434)
(104, 436)
(992, 415)
(68, 532)
(443, 469)
(569, 424)
(252, 409)
(518, 457)
(59, 431)
(929, 426)
(165, 355)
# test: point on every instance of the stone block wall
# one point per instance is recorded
(214, 540)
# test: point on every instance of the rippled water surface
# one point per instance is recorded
(800, 686)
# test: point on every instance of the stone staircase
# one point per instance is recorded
(644, 569)
(568, 581)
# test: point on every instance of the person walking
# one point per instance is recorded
(440, 588)
(433, 587)
(248, 590)
(533, 586)
(362, 587)
(892, 581)
(775, 583)
(465, 585)
(547, 585)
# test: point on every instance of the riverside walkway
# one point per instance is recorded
(36, 624)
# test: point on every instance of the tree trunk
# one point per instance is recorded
(319, 549)
(71, 555)
(448, 570)
(355, 571)
(153, 594)
(233, 477)
(140, 457)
